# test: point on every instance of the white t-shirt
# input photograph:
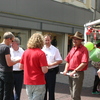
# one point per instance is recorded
(52, 55)
(15, 55)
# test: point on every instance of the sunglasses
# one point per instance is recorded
(11, 40)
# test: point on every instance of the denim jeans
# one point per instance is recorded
(35, 92)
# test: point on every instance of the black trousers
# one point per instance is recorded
(17, 85)
(50, 84)
(96, 82)
(6, 85)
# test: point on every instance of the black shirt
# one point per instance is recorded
(4, 50)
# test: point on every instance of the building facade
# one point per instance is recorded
(60, 18)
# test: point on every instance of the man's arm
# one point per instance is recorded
(55, 63)
(79, 68)
(9, 61)
(66, 69)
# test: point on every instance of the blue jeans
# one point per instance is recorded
(35, 92)
(17, 85)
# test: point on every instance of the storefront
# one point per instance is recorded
(44, 16)
(22, 34)
(63, 41)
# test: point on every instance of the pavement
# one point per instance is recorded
(62, 86)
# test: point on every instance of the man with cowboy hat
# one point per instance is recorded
(77, 63)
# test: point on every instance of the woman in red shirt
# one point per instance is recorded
(34, 64)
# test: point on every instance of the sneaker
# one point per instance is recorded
(96, 92)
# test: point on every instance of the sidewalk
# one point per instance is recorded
(62, 93)
(62, 87)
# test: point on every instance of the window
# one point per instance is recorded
(83, 1)
(59, 0)
(97, 5)
(22, 34)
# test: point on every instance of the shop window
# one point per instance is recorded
(98, 5)
(69, 42)
(83, 1)
(22, 34)
(58, 41)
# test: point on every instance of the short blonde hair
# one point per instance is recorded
(35, 41)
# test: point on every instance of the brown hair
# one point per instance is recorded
(8, 35)
(48, 35)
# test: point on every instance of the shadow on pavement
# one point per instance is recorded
(64, 89)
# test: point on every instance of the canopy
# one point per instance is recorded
(91, 24)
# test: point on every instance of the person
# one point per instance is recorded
(54, 59)
(16, 52)
(6, 74)
(76, 64)
(96, 80)
(34, 64)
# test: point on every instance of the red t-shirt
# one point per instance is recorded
(33, 60)
(76, 57)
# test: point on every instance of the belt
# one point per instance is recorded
(73, 70)
(18, 71)
(52, 69)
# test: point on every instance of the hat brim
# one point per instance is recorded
(78, 38)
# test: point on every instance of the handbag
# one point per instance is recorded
(96, 64)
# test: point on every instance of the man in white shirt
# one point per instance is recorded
(54, 59)
(16, 53)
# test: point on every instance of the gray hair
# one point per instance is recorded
(8, 35)
(16, 40)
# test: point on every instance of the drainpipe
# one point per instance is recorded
(95, 9)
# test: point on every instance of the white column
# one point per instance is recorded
(66, 45)
(85, 36)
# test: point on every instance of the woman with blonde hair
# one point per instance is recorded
(34, 64)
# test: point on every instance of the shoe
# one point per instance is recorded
(96, 92)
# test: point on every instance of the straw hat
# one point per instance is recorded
(78, 35)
